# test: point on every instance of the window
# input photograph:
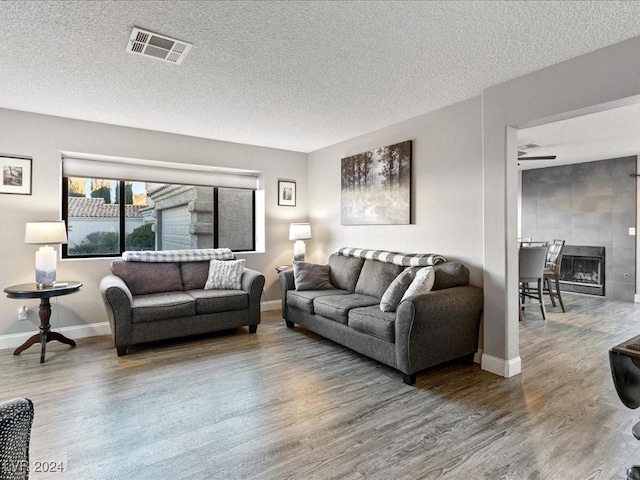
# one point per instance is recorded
(105, 217)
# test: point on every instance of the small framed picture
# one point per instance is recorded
(286, 193)
(16, 175)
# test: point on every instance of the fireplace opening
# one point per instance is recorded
(582, 269)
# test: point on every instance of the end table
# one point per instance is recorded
(31, 290)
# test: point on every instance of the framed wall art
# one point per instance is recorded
(286, 193)
(16, 175)
(376, 186)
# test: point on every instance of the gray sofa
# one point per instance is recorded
(157, 301)
(425, 330)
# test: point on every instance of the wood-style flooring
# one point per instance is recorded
(288, 404)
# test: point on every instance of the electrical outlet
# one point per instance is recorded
(23, 313)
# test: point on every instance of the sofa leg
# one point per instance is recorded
(289, 324)
(253, 328)
(121, 351)
(409, 379)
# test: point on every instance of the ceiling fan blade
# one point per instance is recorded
(543, 157)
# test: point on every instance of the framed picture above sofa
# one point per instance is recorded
(376, 186)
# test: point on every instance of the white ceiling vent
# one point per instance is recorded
(160, 47)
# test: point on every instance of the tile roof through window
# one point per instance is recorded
(97, 208)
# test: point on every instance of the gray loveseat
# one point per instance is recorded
(156, 301)
(425, 330)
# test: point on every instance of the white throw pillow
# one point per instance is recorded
(423, 283)
(225, 274)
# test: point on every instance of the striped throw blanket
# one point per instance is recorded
(196, 255)
(402, 259)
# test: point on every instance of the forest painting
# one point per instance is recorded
(376, 186)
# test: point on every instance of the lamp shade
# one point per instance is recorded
(45, 233)
(299, 231)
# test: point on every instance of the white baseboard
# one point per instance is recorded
(477, 357)
(77, 331)
(499, 366)
(268, 305)
(636, 298)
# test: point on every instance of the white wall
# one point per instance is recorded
(44, 137)
(596, 81)
(446, 185)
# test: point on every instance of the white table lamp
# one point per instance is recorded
(299, 232)
(45, 233)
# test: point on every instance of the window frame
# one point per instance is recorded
(122, 217)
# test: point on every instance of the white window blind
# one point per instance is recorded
(93, 166)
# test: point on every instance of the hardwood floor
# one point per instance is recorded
(287, 404)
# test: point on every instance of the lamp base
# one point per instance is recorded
(45, 267)
(298, 251)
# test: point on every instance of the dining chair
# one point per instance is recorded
(552, 272)
(531, 263)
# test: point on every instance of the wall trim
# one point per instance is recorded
(269, 305)
(498, 366)
(74, 332)
(636, 298)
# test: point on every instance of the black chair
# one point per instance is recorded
(552, 272)
(624, 360)
(16, 418)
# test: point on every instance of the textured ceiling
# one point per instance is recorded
(292, 75)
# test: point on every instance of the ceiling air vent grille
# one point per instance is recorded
(160, 47)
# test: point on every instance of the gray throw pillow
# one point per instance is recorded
(311, 276)
(225, 275)
(392, 296)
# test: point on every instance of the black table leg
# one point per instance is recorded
(45, 335)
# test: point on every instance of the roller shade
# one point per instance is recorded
(158, 172)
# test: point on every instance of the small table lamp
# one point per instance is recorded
(299, 232)
(45, 233)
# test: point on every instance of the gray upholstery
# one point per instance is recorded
(16, 419)
(160, 314)
(374, 322)
(426, 330)
(214, 301)
(337, 307)
(194, 275)
(143, 278)
(376, 277)
(160, 306)
(344, 271)
(450, 275)
(304, 300)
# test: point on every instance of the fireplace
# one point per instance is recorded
(582, 270)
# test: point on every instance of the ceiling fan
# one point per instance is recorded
(539, 157)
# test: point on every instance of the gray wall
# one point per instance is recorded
(591, 203)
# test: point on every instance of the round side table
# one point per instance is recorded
(31, 290)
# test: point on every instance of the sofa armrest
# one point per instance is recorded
(253, 283)
(437, 326)
(118, 301)
(286, 284)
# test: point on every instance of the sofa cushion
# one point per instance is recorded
(311, 276)
(374, 322)
(422, 283)
(194, 274)
(376, 277)
(449, 275)
(336, 307)
(161, 306)
(214, 301)
(145, 278)
(304, 300)
(392, 295)
(345, 271)
(225, 274)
